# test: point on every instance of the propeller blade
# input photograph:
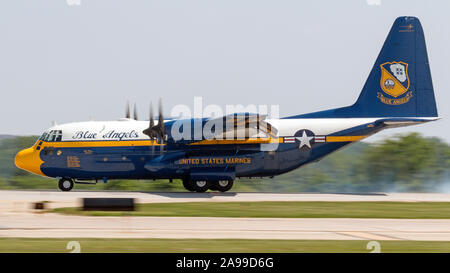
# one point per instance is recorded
(127, 111)
(135, 114)
(161, 121)
(152, 119)
(156, 132)
(150, 131)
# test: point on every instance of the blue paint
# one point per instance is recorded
(142, 162)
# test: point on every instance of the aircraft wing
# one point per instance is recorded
(243, 122)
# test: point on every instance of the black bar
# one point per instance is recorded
(109, 204)
(228, 262)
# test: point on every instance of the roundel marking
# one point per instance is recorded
(304, 138)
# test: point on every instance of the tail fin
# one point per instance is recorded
(399, 84)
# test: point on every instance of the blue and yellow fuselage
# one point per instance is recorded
(146, 159)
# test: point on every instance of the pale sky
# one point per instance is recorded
(70, 63)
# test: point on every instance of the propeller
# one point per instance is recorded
(127, 111)
(135, 114)
(152, 121)
(156, 132)
(161, 122)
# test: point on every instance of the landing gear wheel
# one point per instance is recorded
(224, 185)
(65, 184)
(200, 185)
(188, 185)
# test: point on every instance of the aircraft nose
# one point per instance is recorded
(28, 160)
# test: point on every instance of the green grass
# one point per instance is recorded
(214, 245)
(398, 210)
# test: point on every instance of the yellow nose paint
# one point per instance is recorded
(29, 160)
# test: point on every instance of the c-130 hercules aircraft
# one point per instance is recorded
(398, 92)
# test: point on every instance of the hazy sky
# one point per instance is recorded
(70, 63)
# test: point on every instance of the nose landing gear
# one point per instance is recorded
(65, 184)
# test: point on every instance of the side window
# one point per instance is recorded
(58, 135)
(51, 136)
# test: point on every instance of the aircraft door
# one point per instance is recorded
(271, 160)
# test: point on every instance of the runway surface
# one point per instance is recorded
(14, 200)
(17, 219)
(61, 226)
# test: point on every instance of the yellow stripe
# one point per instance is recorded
(124, 143)
(70, 144)
(239, 141)
(93, 143)
(344, 138)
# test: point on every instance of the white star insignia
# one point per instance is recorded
(304, 140)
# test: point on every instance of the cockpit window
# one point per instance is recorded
(58, 135)
(43, 137)
(53, 135)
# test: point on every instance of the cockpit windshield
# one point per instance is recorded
(53, 135)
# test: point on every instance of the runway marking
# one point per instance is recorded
(369, 236)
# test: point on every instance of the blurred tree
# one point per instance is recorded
(406, 162)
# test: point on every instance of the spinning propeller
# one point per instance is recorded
(156, 132)
(127, 112)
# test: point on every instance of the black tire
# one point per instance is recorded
(200, 185)
(188, 185)
(224, 185)
(65, 184)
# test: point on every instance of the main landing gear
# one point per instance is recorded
(65, 184)
(203, 185)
